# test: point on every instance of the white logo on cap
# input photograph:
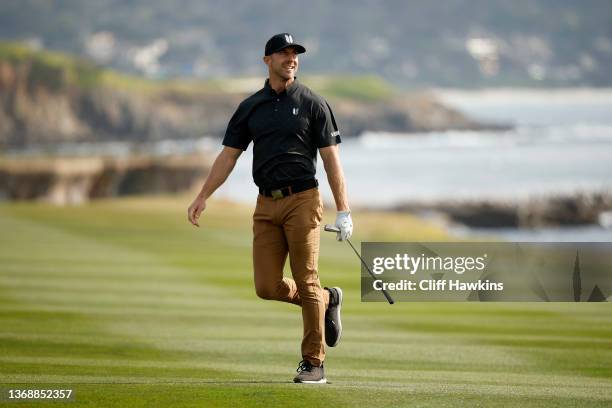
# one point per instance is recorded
(288, 38)
(295, 111)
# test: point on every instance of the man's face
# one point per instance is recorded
(283, 63)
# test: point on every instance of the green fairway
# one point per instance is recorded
(128, 305)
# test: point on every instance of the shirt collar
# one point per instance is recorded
(290, 90)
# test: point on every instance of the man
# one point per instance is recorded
(287, 123)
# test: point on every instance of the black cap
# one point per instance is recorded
(281, 41)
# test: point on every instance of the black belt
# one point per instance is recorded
(287, 191)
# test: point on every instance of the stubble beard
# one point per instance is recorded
(284, 74)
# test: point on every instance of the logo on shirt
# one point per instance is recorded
(295, 111)
(289, 38)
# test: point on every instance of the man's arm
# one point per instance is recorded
(335, 176)
(221, 169)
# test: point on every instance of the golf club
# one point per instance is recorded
(332, 228)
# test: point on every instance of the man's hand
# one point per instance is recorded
(345, 224)
(195, 209)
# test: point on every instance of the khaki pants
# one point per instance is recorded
(291, 226)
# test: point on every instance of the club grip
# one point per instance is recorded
(331, 228)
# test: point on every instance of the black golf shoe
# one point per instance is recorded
(309, 374)
(333, 324)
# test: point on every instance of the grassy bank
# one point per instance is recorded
(59, 70)
(128, 305)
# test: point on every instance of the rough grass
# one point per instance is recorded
(366, 88)
(128, 305)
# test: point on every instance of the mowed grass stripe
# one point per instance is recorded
(265, 393)
(389, 375)
(102, 289)
(347, 394)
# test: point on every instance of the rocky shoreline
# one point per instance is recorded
(76, 180)
(579, 208)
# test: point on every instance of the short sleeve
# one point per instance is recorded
(237, 134)
(325, 130)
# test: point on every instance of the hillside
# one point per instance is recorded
(49, 97)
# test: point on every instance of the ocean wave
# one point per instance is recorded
(575, 133)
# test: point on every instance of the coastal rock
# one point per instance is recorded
(580, 208)
(416, 112)
(76, 180)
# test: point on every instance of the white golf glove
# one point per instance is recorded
(345, 224)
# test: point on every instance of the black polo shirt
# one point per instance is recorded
(286, 129)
